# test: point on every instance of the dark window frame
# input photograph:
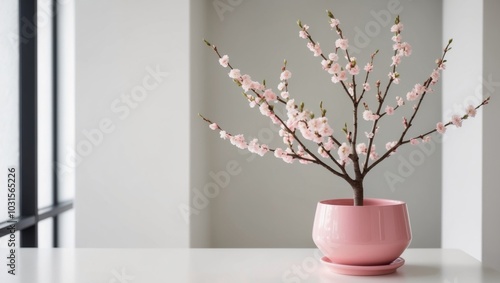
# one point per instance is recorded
(30, 214)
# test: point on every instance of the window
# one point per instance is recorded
(30, 130)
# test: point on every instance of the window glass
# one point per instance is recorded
(9, 99)
(45, 100)
(67, 229)
(45, 233)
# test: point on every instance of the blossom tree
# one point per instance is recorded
(333, 151)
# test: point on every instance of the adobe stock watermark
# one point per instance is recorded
(407, 165)
(122, 107)
(120, 276)
(299, 272)
(381, 20)
(223, 6)
(200, 199)
(27, 27)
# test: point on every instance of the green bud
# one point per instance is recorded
(450, 41)
(397, 20)
(207, 43)
(323, 114)
(237, 82)
(264, 82)
(330, 15)
(299, 23)
(284, 62)
(312, 116)
(301, 106)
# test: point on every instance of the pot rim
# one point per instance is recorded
(367, 202)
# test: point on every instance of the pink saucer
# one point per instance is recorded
(363, 270)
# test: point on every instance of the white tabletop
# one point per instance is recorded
(227, 265)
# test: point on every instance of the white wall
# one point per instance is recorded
(491, 135)
(271, 204)
(470, 186)
(199, 216)
(462, 180)
(133, 175)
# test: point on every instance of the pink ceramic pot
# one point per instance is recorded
(374, 234)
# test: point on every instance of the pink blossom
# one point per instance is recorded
(285, 75)
(224, 61)
(456, 120)
(369, 135)
(333, 57)
(391, 145)
(224, 135)
(350, 90)
(426, 139)
(275, 119)
(344, 151)
(397, 28)
(435, 76)
(405, 49)
(285, 94)
(315, 48)
(303, 34)
(234, 74)
(405, 122)
(342, 43)
(323, 128)
(414, 141)
(269, 95)
(366, 86)
(281, 86)
(368, 67)
(334, 69)
(254, 147)
(411, 95)
(369, 116)
(361, 148)
(389, 110)
(329, 144)
(246, 82)
(342, 76)
(325, 64)
(238, 141)
(353, 70)
(278, 152)
(264, 109)
(213, 126)
(373, 154)
(396, 60)
(287, 156)
(257, 85)
(440, 128)
(394, 77)
(419, 89)
(471, 111)
(396, 38)
(252, 103)
(400, 101)
(323, 152)
(334, 22)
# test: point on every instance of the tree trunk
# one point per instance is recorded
(358, 193)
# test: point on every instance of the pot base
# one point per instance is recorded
(363, 270)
